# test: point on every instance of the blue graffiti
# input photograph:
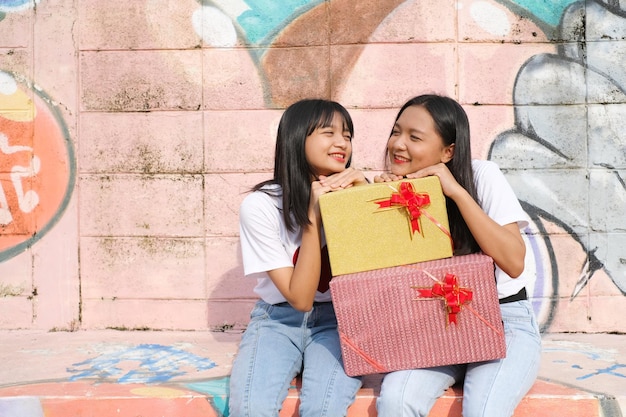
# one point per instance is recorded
(591, 355)
(217, 390)
(549, 12)
(261, 20)
(16, 5)
(157, 363)
(606, 371)
(265, 19)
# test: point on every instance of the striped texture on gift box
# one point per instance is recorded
(386, 323)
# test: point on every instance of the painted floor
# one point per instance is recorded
(53, 373)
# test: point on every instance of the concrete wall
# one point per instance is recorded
(130, 131)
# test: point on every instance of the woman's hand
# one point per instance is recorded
(344, 179)
(317, 189)
(387, 177)
(449, 185)
(451, 188)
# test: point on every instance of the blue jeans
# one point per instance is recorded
(490, 389)
(281, 342)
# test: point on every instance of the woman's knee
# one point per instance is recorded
(253, 405)
(392, 400)
(413, 393)
(397, 404)
(388, 405)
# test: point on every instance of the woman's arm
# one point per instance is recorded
(299, 284)
(502, 243)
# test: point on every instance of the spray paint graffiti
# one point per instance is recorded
(217, 390)
(157, 363)
(30, 206)
(547, 14)
(37, 165)
(8, 6)
(180, 388)
(250, 21)
(570, 127)
(125, 380)
(258, 21)
(611, 370)
(12, 6)
(548, 147)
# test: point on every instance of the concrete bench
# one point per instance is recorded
(88, 399)
(36, 379)
(544, 399)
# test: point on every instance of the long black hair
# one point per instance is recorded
(453, 126)
(292, 171)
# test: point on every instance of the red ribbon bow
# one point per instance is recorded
(412, 201)
(452, 293)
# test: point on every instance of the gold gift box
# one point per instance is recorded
(365, 230)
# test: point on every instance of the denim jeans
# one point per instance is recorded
(281, 342)
(490, 389)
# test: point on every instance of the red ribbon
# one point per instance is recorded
(453, 294)
(412, 201)
(368, 359)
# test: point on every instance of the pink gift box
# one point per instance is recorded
(404, 317)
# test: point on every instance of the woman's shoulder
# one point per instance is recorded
(481, 166)
(487, 176)
(268, 196)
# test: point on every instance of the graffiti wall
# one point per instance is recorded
(131, 131)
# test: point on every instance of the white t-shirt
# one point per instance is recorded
(266, 244)
(497, 199)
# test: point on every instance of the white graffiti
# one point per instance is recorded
(17, 6)
(214, 27)
(490, 18)
(27, 201)
(570, 121)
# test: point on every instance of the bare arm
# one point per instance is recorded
(299, 284)
(503, 243)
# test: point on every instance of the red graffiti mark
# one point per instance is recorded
(37, 166)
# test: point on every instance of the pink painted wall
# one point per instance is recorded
(138, 126)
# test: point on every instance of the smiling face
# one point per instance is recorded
(415, 143)
(328, 148)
